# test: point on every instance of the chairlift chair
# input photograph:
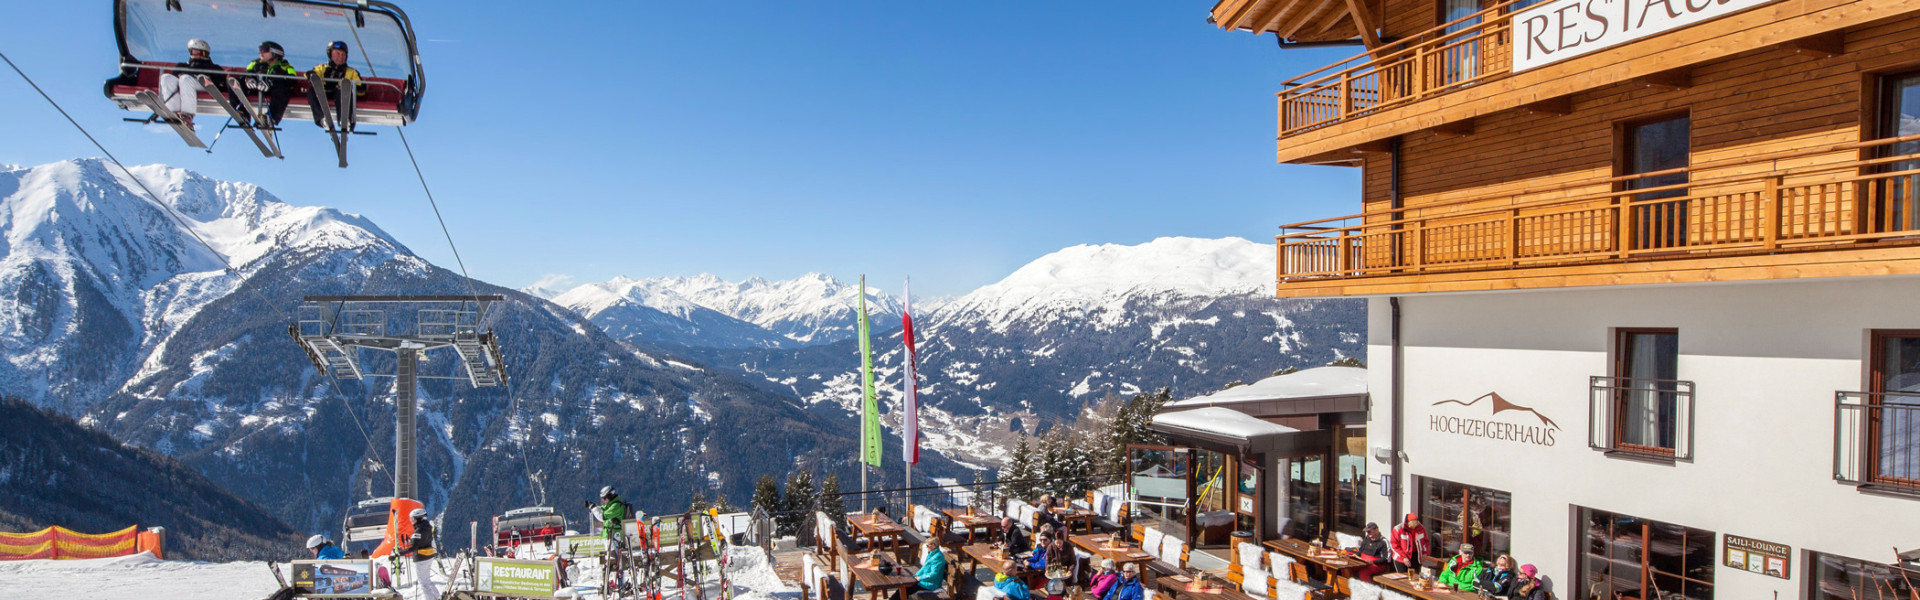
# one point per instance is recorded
(152, 37)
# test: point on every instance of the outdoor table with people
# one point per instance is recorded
(1334, 562)
(994, 558)
(1423, 589)
(1070, 516)
(875, 526)
(869, 572)
(1112, 548)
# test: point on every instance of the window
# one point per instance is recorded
(1159, 490)
(1894, 407)
(1460, 513)
(1461, 54)
(1651, 147)
(1350, 477)
(1896, 203)
(1630, 557)
(1841, 578)
(1646, 391)
(1304, 497)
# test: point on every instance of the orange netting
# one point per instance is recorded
(60, 542)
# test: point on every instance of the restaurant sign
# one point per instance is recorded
(1755, 556)
(520, 578)
(1535, 428)
(1554, 31)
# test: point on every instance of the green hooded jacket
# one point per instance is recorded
(1458, 577)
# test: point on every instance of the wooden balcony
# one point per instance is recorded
(1406, 71)
(1743, 219)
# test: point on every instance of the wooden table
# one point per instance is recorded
(1333, 563)
(973, 520)
(872, 527)
(1069, 515)
(985, 554)
(1398, 582)
(869, 576)
(1121, 554)
(1182, 586)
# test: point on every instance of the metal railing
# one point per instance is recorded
(1756, 208)
(1876, 440)
(1641, 417)
(1454, 55)
(988, 496)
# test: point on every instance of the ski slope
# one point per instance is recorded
(145, 577)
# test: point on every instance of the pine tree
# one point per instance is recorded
(1018, 472)
(721, 504)
(699, 503)
(830, 502)
(766, 495)
(796, 501)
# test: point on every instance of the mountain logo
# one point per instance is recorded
(1525, 431)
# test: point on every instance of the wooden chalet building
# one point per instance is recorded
(1643, 279)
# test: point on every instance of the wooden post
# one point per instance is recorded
(1623, 244)
(1419, 244)
(1346, 95)
(1340, 247)
(1770, 211)
(1513, 237)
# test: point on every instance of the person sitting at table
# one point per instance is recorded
(1128, 587)
(1461, 571)
(1059, 562)
(1104, 580)
(1531, 585)
(1042, 546)
(933, 570)
(1012, 539)
(1047, 517)
(1007, 587)
(1496, 582)
(1373, 551)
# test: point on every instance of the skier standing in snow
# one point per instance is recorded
(324, 549)
(611, 512)
(420, 546)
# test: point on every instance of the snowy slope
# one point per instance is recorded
(810, 309)
(640, 313)
(1097, 282)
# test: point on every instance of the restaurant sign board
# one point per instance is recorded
(1765, 558)
(1554, 31)
(518, 578)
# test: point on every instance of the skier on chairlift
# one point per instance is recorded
(273, 61)
(181, 91)
(336, 68)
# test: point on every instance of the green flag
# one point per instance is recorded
(869, 406)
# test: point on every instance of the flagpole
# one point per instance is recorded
(862, 446)
(906, 308)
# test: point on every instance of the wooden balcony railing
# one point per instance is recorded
(1478, 48)
(1730, 207)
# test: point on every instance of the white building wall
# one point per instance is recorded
(1766, 359)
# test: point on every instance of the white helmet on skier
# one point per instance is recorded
(418, 514)
(316, 541)
(199, 44)
(607, 492)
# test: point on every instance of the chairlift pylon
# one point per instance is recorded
(152, 37)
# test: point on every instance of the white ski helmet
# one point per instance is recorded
(607, 492)
(316, 541)
(418, 514)
(199, 44)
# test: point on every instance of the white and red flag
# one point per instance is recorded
(910, 414)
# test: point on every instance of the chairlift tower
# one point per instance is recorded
(333, 330)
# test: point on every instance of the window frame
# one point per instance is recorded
(1813, 560)
(1622, 350)
(1435, 526)
(1876, 387)
(1583, 556)
(1623, 154)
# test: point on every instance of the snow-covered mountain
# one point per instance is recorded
(810, 309)
(1035, 348)
(111, 312)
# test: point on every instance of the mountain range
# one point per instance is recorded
(113, 313)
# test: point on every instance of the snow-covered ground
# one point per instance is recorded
(145, 577)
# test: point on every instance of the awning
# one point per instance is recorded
(1313, 391)
(1234, 432)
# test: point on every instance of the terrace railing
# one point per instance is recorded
(1876, 440)
(1651, 418)
(1739, 206)
(1455, 55)
(985, 496)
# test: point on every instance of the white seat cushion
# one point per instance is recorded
(1362, 590)
(1150, 541)
(1386, 594)
(1254, 581)
(1287, 590)
(1347, 540)
(1170, 550)
(1251, 556)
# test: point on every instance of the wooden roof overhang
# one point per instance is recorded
(1302, 20)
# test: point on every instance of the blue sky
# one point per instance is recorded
(949, 141)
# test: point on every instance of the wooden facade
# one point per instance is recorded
(1521, 180)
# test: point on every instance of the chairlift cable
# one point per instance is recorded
(143, 185)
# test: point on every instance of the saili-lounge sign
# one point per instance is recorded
(1561, 29)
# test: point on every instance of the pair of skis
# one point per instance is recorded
(340, 125)
(251, 121)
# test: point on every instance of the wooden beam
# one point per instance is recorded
(1326, 22)
(1236, 11)
(1674, 79)
(1381, 146)
(1363, 20)
(1301, 21)
(1552, 106)
(1825, 45)
(1460, 128)
(1271, 21)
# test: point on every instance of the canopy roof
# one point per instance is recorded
(1297, 20)
(1234, 432)
(1312, 391)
